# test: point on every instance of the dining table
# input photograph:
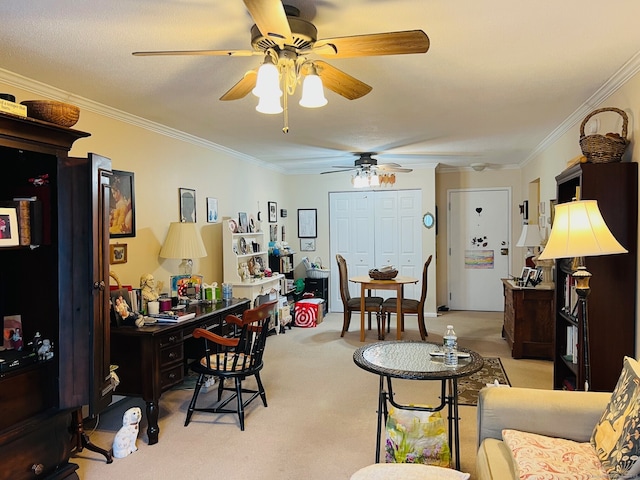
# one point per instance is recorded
(397, 284)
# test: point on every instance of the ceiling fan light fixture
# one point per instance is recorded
(269, 105)
(374, 180)
(268, 81)
(312, 90)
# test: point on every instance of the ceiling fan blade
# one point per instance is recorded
(386, 168)
(341, 83)
(339, 171)
(243, 87)
(390, 43)
(270, 19)
(226, 53)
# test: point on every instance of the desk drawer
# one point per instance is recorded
(170, 377)
(171, 355)
(170, 339)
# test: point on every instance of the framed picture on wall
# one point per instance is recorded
(307, 223)
(117, 253)
(273, 212)
(122, 205)
(212, 210)
(187, 205)
(9, 235)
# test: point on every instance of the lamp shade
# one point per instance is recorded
(530, 236)
(183, 241)
(580, 231)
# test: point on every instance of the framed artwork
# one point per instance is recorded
(122, 205)
(307, 244)
(243, 222)
(9, 234)
(525, 274)
(117, 253)
(307, 222)
(273, 233)
(212, 210)
(187, 205)
(532, 279)
(273, 212)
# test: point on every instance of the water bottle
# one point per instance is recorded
(450, 347)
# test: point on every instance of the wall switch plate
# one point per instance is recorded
(283, 212)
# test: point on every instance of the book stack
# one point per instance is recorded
(13, 108)
(172, 317)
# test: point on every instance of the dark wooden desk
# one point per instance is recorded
(153, 358)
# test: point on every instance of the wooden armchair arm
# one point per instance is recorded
(233, 320)
(212, 337)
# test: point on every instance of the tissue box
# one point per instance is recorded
(309, 312)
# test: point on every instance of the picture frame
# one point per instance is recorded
(212, 210)
(524, 275)
(122, 205)
(532, 277)
(307, 223)
(273, 212)
(307, 244)
(117, 253)
(273, 233)
(243, 222)
(9, 234)
(187, 205)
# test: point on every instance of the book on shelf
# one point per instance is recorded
(14, 108)
(172, 317)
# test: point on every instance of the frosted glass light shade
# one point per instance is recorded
(312, 92)
(580, 231)
(268, 81)
(269, 105)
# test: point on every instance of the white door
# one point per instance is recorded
(351, 234)
(373, 229)
(479, 248)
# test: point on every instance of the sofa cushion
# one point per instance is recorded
(616, 438)
(539, 456)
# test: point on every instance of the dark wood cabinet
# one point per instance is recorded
(612, 300)
(528, 321)
(57, 288)
(320, 289)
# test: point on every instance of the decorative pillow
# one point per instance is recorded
(537, 456)
(616, 438)
(407, 471)
(417, 437)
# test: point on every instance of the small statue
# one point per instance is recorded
(45, 352)
(149, 288)
(125, 440)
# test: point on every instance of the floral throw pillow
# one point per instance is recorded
(616, 438)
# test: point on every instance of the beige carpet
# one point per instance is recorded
(321, 419)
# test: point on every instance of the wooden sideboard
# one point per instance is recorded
(153, 358)
(528, 320)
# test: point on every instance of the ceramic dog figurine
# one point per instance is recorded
(124, 442)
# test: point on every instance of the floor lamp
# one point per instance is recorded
(579, 231)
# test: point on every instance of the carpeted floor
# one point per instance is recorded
(468, 387)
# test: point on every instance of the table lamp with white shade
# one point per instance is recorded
(183, 241)
(530, 238)
(579, 231)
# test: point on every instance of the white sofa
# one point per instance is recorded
(554, 413)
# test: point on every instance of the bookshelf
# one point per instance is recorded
(612, 300)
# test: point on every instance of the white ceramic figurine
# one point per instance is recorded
(124, 442)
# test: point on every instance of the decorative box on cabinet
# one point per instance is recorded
(612, 299)
(528, 321)
(58, 290)
(234, 256)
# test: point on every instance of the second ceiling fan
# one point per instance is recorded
(286, 41)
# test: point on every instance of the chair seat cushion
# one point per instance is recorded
(370, 303)
(408, 305)
(221, 362)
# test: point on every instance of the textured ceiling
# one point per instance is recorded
(499, 78)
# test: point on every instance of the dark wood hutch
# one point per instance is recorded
(59, 288)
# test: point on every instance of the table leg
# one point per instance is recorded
(453, 421)
(362, 303)
(152, 422)
(382, 408)
(399, 314)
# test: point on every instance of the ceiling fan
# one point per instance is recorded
(285, 40)
(370, 173)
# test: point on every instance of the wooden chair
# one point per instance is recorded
(352, 304)
(409, 306)
(236, 357)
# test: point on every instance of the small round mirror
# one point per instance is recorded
(428, 220)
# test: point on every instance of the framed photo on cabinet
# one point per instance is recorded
(307, 223)
(9, 234)
(122, 205)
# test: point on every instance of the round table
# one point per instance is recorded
(414, 360)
